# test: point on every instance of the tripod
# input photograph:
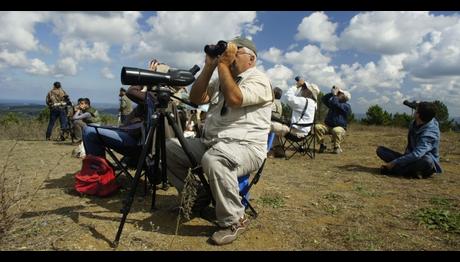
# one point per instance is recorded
(155, 121)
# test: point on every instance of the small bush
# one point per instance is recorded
(437, 218)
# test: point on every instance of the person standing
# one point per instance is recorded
(56, 104)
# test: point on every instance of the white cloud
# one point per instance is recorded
(273, 55)
(109, 27)
(19, 60)
(18, 30)
(106, 73)
(173, 33)
(390, 32)
(66, 66)
(386, 74)
(438, 56)
(80, 50)
(318, 28)
(279, 76)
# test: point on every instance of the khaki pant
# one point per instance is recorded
(222, 163)
(337, 133)
(78, 126)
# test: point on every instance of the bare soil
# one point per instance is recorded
(332, 202)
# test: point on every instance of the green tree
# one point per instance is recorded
(401, 120)
(44, 115)
(375, 115)
(10, 118)
(442, 115)
(321, 109)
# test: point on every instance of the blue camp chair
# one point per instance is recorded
(245, 185)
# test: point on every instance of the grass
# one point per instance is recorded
(441, 215)
(273, 201)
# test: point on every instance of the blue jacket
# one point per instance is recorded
(338, 112)
(422, 140)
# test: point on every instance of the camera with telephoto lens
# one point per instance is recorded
(217, 49)
(412, 104)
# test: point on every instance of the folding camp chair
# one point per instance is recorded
(121, 166)
(303, 145)
(244, 183)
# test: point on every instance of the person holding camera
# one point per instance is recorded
(301, 98)
(85, 114)
(56, 102)
(234, 139)
(336, 120)
(421, 157)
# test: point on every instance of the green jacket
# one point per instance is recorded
(125, 105)
(95, 117)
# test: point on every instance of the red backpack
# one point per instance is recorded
(96, 177)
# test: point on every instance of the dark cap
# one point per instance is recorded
(57, 84)
(244, 42)
(297, 78)
(122, 90)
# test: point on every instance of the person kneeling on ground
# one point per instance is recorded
(421, 157)
(335, 123)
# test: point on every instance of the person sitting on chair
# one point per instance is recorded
(336, 118)
(125, 139)
(234, 139)
(421, 157)
(85, 114)
(277, 107)
(302, 100)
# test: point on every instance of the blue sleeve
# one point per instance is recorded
(334, 102)
(424, 145)
(325, 99)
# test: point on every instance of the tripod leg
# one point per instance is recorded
(164, 177)
(129, 200)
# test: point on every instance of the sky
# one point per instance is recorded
(382, 57)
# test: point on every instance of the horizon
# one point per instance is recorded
(382, 58)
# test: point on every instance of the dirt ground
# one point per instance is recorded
(333, 202)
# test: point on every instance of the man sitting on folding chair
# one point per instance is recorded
(234, 139)
(302, 100)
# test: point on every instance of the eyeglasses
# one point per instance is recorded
(242, 53)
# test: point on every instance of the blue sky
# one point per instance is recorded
(380, 57)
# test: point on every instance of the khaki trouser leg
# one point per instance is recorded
(78, 126)
(223, 164)
(177, 161)
(338, 133)
(320, 131)
(280, 130)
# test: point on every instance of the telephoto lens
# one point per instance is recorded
(217, 49)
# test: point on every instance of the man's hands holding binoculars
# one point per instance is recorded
(229, 55)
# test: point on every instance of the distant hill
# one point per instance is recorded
(33, 110)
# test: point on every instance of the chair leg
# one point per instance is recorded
(248, 205)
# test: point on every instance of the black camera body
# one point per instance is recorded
(412, 104)
(67, 100)
(217, 49)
